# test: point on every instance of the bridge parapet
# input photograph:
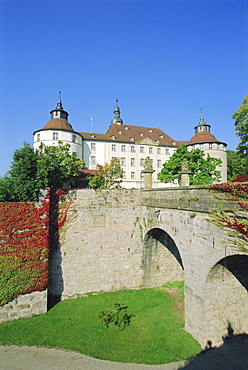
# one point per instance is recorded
(187, 198)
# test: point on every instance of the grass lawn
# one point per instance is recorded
(154, 336)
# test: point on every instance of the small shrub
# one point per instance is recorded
(118, 316)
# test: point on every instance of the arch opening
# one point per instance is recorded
(226, 303)
(162, 261)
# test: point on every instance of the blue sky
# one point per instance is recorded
(163, 59)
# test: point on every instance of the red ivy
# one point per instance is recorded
(240, 193)
(25, 233)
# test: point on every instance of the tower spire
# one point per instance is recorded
(117, 114)
(59, 103)
(202, 125)
(59, 111)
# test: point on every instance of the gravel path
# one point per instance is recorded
(232, 355)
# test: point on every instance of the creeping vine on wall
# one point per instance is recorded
(27, 232)
(234, 222)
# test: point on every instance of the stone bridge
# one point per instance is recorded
(116, 239)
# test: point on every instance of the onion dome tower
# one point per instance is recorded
(117, 115)
(58, 130)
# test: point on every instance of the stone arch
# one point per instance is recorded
(226, 298)
(162, 261)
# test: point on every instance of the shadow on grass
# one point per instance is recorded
(232, 354)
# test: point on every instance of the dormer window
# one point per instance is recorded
(120, 132)
(92, 135)
(113, 137)
(173, 143)
(157, 141)
(141, 134)
(126, 128)
(131, 138)
(150, 130)
(162, 136)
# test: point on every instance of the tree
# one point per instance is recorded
(237, 164)
(241, 126)
(202, 169)
(32, 170)
(107, 176)
(57, 166)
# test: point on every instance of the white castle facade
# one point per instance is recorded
(132, 144)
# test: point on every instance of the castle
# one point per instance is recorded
(132, 144)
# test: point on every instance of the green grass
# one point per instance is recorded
(155, 335)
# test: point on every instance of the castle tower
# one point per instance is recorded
(58, 129)
(204, 140)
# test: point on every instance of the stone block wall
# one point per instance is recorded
(137, 238)
(24, 306)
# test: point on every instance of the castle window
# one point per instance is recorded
(133, 149)
(210, 146)
(124, 175)
(159, 150)
(38, 137)
(93, 160)
(218, 146)
(123, 148)
(142, 160)
(132, 162)
(113, 147)
(55, 136)
(142, 149)
(201, 146)
(123, 161)
(93, 146)
(159, 163)
(167, 152)
(132, 175)
(193, 147)
(74, 138)
(150, 150)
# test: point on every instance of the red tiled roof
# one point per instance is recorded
(203, 137)
(129, 133)
(87, 172)
(57, 124)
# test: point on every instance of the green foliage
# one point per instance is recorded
(237, 164)
(175, 284)
(32, 170)
(107, 176)
(57, 166)
(202, 169)
(241, 126)
(117, 316)
(156, 334)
